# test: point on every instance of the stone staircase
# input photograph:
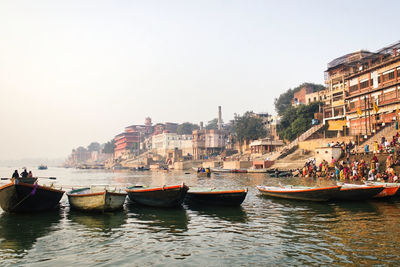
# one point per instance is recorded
(388, 132)
(275, 155)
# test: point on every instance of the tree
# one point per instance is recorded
(186, 128)
(94, 146)
(248, 127)
(213, 124)
(297, 120)
(109, 147)
(285, 100)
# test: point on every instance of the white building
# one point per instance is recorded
(162, 143)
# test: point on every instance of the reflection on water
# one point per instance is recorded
(98, 222)
(158, 219)
(19, 232)
(227, 213)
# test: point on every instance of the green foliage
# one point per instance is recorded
(186, 128)
(284, 101)
(94, 146)
(109, 147)
(248, 127)
(297, 120)
(213, 124)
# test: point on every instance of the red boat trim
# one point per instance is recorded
(218, 192)
(361, 188)
(298, 191)
(157, 188)
(32, 186)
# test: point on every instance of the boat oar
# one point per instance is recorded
(51, 178)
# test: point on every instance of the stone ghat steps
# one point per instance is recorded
(387, 132)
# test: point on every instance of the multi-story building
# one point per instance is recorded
(208, 142)
(373, 90)
(169, 127)
(165, 142)
(337, 83)
(299, 98)
(127, 141)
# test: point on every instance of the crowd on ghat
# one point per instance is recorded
(359, 169)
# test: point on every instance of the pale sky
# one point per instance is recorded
(73, 72)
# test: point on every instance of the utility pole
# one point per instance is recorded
(369, 116)
(365, 114)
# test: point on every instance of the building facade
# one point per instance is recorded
(208, 142)
(165, 142)
(373, 90)
(334, 113)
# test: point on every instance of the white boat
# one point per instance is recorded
(97, 198)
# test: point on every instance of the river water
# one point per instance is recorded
(262, 232)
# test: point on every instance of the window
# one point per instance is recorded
(353, 88)
(388, 76)
(364, 84)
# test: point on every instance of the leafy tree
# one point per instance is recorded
(94, 146)
(212, 124)
(248, 127)
(284, 101)
(109, 147)
(297, 120)
(186, 128)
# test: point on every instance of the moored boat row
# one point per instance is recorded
(350, 192)
(25, 196)
(30, 197)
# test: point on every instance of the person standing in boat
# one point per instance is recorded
(15, 174)
(30, 175)
(24, 174)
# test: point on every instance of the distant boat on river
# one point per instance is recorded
(42, 167)
(96, 198)
(165, 196)
(24, 196)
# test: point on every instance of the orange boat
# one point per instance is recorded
(300, 192)
(390, 190)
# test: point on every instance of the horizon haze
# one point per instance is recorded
(76, 72)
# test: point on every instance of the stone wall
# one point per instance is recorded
(237, 164)
(323, 142)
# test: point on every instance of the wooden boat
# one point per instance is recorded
(202, 172)
(212, 196)
(389, 189)
(165, 196)
(220, 170)
(42, 167)
(357, 192)
(19, 196)
(97, 199)
(239, 170)
(300, 192)
(251, 170)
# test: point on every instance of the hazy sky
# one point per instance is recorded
(72, 72)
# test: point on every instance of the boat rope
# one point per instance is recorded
(26, 197)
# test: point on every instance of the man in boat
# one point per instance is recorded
(30, 175)
(24, 174)
(15, 174)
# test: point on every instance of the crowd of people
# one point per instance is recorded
(24, 174)
(355, 166)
